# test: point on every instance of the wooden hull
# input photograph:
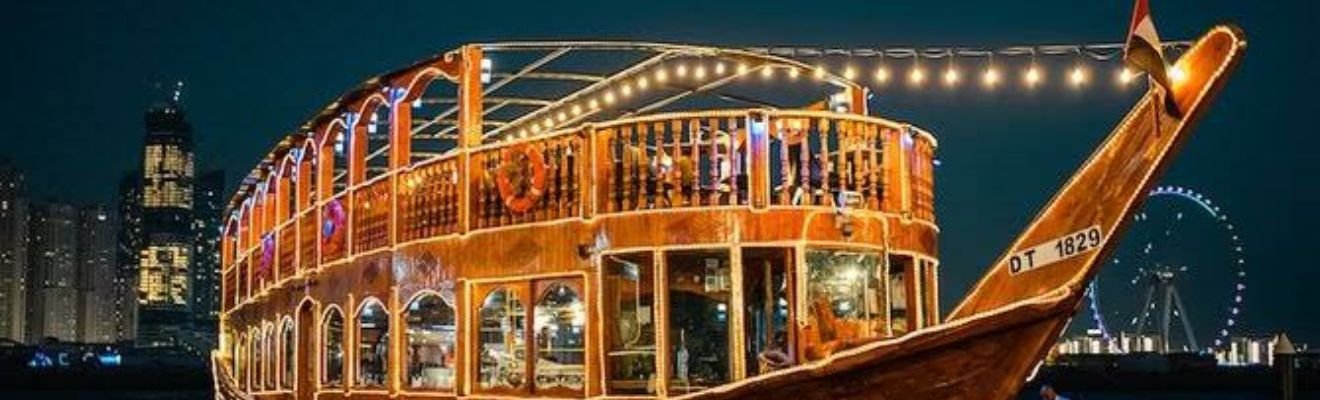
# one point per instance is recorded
(987, 357)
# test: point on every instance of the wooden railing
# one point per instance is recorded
(557, 197)
(371, 214)
(428, 200)
(744, 158)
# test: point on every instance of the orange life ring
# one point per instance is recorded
(521, 178)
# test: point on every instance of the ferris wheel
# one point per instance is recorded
(1180, 250)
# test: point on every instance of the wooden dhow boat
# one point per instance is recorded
(451, 230)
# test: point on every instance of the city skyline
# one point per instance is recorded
(978, 217)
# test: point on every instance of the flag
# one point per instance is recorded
(1144, 51)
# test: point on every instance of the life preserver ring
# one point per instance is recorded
(521, 178)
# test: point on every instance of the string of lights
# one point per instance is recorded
(991, 75)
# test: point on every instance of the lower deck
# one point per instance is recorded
(613, 318)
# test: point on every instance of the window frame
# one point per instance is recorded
(457, 344)
(355, 352)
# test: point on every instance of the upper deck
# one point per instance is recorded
(350, 183)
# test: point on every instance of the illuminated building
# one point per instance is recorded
(96, 272)
(208, 206)
(52, 272)
(166, 251)
(129, 241)
(13, 252)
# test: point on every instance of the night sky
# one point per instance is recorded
(77, 76)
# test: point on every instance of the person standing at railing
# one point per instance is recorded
(660, 180)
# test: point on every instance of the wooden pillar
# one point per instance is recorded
(469, 128)
(587, 172)
(357, 148)
(857, 99)
(400, 128)
(758, 131)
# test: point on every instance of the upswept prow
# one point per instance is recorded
(1065, 244)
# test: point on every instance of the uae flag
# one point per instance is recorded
(1144, 52)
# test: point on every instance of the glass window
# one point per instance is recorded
(629, 292)
(333, 376)
(288, 343)
(502, 340)
(766, 309)
(240, 362)
(844, 300)
(373, 345)
(268, 369)
(560, 327)
(898, 294)
(258, 359)
(699, 290)
(431, 337)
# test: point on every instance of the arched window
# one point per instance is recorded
(240, 361)
(560, 344)
(502, 344)
(288, 341)
(332, 376)
(271, 358)
(432, 351)
(373, 344)
(258, 358)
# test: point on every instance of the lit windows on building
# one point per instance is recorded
(163, 275)
(168, 173)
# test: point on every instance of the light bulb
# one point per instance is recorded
(626, 90)
(742, 68)
(577, 110)
(593, 104)
(661, 75)
(1125, 76)
(951, 76)
(767, 71)
(642, 83)
(609, 97)
(991, 77)
(1032, 77)
(882, 75)
(793, 73)
(850, 73)
(1078, 76)
(819, 73)
(700, 72)
(917, 76)
(719, 68)
(681, 71)
(1177, 74)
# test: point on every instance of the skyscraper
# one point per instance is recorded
(166, 211)
(126, 256)
(208, 205)
(13, 252)
(96, 271)
(52, 272)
